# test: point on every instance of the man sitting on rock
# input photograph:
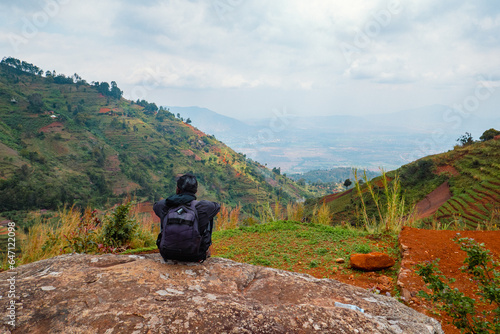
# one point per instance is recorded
(186, 224)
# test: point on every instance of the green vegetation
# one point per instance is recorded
(303, 247)
(465, 139)
(471, 171)
(390, 205)
(88, 232)
(484, 271)
(489, 134)
(66, 142)
(118, 229)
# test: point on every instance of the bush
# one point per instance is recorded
(322, 215)
(82, 239)
(227, 219)
(459, 307)
(119, 228)
(390, 214)
(295, 211)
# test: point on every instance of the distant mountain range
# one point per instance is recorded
(299, 144)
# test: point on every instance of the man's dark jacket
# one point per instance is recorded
(206, 212)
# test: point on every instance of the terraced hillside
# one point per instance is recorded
(64, 141)
(474, 184)
(459, 187)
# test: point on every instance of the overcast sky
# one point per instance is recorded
(244, 58)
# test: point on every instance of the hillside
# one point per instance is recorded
(64, 141)
(460, 187)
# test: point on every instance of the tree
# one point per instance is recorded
(103, 88)
(489, 134)
(62, 79)
(22, 66)
(35, 103)
(347, 183)
(115, 92)
(150, 108)
(188, 121)
(465, 139)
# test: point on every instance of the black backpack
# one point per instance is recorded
(181, 238)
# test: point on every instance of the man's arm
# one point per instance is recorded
(212, 209)
(158, 208)
(206, 212)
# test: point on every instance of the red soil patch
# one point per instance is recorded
(52, 127)
(146, 207)
(428, 245)
(215, 149)
(431, 203)
(380, 183)
(126, 188)
(195, 130)
(104, 110)
(332, 197)
(187, 152)
(447, 169)
(272, 182)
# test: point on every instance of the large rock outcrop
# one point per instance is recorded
(142, 294)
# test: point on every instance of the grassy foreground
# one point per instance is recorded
(302, 247)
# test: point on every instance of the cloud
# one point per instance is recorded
(269, 52)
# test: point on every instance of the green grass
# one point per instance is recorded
(302, 247)
(140, 250)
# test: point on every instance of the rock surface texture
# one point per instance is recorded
(142, 294)
(371, 261)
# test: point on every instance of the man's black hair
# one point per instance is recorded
(187, 183)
